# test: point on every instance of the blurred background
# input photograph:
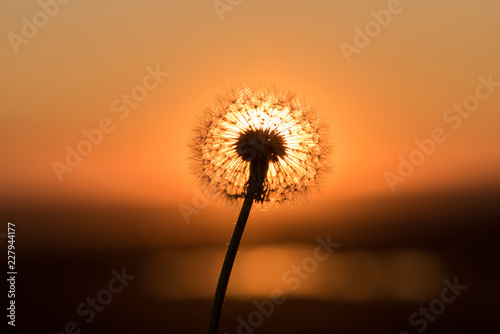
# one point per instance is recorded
(98, 102)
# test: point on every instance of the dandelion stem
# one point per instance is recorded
(220, 292)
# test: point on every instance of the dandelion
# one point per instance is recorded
(256, 145)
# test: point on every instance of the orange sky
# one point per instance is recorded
(65, 79)
(77, 70)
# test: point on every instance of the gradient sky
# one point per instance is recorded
(73, 73)
(395, 90)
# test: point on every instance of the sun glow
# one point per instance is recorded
(248, 121)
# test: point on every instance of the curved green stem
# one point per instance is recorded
(220, 292)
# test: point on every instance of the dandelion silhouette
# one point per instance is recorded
(258, 145)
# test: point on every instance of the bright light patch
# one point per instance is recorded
(295, 124)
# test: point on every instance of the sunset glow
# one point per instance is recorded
(286, 127)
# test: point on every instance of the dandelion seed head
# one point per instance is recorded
(263, 132)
